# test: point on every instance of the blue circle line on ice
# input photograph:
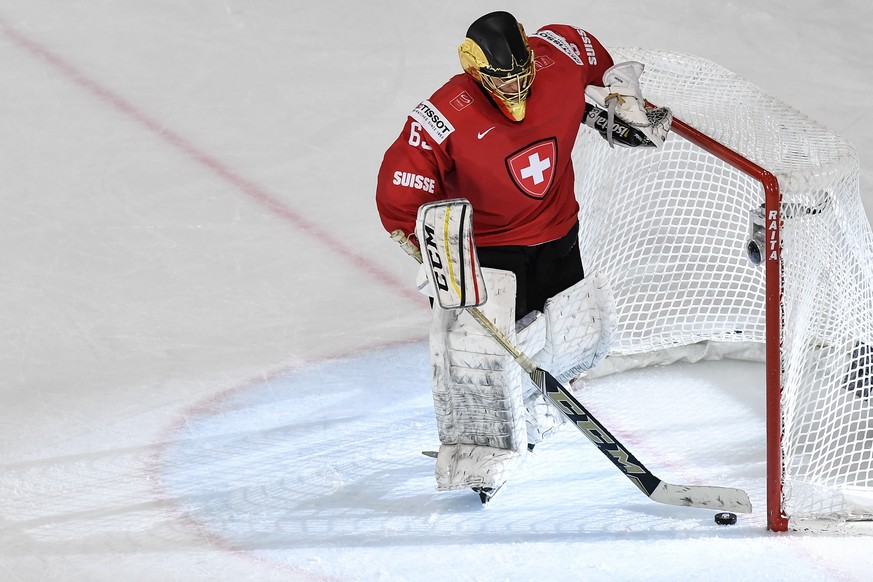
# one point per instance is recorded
(245, 467)
(324, 454)
(329, 455)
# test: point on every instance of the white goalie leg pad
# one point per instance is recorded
(464, 466)
(541, 416)
(581, 325)
(531, 333)
(477, 391)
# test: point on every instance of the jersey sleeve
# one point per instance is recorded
(590, 50)
(412, 173)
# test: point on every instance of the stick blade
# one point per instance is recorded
(719, 498)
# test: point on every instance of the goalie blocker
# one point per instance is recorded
(445, 232)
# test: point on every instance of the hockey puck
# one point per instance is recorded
(725, 518)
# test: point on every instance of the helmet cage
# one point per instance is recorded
(511, 97)
(503, 87)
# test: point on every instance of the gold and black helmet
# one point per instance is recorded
(497, 55)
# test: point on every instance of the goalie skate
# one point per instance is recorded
(486, 494)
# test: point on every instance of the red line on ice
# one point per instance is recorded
(217, 167)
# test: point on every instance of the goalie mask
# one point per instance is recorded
(496, 54)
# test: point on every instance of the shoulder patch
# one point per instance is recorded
(432, 120)
(461, 101)
(543, 62)
(561, 43)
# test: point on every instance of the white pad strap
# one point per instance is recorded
(581, 324)
(477, 390)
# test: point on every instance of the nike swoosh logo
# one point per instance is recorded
(482, 134)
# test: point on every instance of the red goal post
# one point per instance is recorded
(776, 519)
(673, 229)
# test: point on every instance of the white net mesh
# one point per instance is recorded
(670, 228)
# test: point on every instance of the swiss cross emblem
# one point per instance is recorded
(533, 168)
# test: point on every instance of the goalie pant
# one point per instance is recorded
(487, 410)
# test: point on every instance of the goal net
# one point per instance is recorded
(744, 236)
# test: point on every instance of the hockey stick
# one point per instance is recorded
(718, 498)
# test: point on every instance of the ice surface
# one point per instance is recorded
(213, 362)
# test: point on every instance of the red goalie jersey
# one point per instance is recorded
(517, 175)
